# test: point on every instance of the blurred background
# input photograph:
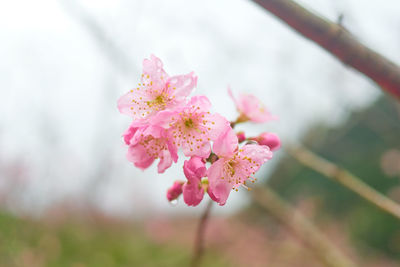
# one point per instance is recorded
(68, 196)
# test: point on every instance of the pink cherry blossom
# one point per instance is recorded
(165, 119)
(193, 191)
(193, 126)
(175, 190)
(155, 92)
(270, 140)
(149, 143)
(250, 108)
(235, 166)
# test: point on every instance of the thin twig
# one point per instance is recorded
(199, 239)
(304, 229)
(344, 177)
(118, 57)
(339, 42)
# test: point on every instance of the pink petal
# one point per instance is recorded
(182, 85)
(217, 125)
(233, 97)
(137, 154)
(144, 164)
(194, 169)
(149, 143)
(134, 104)
(219, 187)
(126, 107)
(172, 148)
(192, 193)
(128, 134)
(226, 143)
(248, 104)
(155, 131)
(137, 136)
(259, 154)
(203, 150)
(165, 161)
(140, 123)
(211, 194)
(200, 103)
(153, 71)
(164, 118)
(252, 107)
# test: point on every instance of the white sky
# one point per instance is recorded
(58, 87)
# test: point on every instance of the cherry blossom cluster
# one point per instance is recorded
(166, 119)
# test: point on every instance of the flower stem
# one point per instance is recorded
(242, 118)
(344, 177)
(199, 239)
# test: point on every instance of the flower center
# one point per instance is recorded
(160, 100)
(153, 146)
(231, 167)
(158, 103)
(189, 123)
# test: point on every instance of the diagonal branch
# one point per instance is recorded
(339, 42)
(304, 229)
(116, 56)
(330, 170)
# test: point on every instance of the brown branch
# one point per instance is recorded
(339, 42)
(355, 184)
(304, 229)
(199, 239)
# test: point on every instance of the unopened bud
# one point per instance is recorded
(175, 190)
(268, 139)
(241, 136)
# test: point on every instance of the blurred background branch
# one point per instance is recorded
(342, 176)
(339, 42)
(122, 64)
(116, 55)
(292, 219)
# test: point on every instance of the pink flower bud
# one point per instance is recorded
(241, 136)
(128, 134)
(175, 190)
(270, 140)
(194, 169)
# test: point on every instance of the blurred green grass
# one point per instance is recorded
(80, 243)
